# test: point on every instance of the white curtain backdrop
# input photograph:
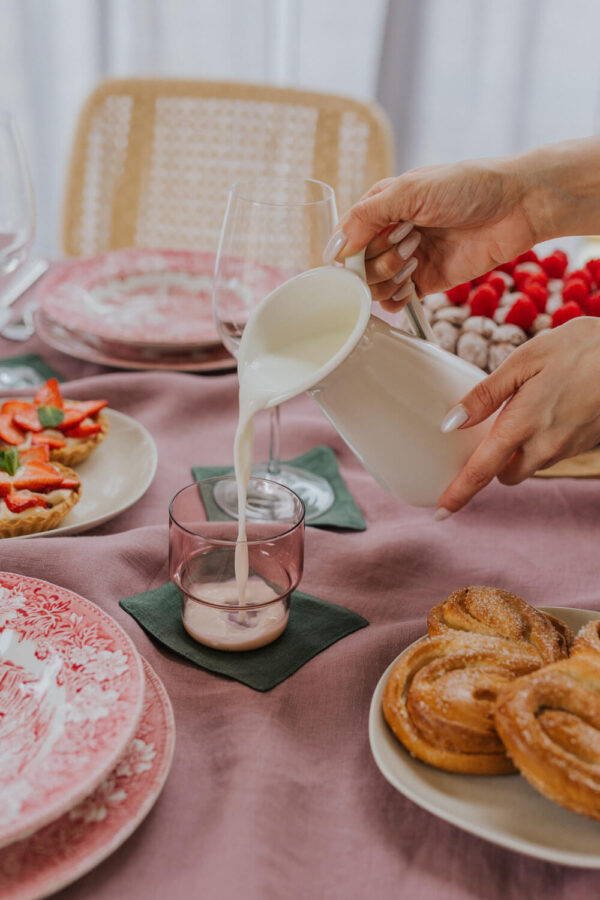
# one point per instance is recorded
(459, 78)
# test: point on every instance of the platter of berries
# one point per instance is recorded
(43, 438)
(484, 320)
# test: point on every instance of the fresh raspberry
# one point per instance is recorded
(575, 290)
(459, 294)
(528, 256)
(591, 306)
(497, 282)
(483, 301)
(555, 265)
(569, 311)
(593, 267)
(523, 313)
(536, 292)
(581, 273)
(521, 275)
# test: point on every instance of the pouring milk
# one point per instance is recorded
(384, 390)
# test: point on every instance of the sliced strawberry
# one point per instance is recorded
(84, 429)
(5, 484)
(37, 476)
(10, 407)
(8, 433)
(49, 395)
(23, 500)
(72, 417)
(41, 453)
(28, 419)
(70, 484)
(88, 407)
(53, 441)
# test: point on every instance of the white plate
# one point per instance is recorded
(113, 477)
(503, 809)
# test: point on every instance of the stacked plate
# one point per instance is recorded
(137, 309)
(86, 737)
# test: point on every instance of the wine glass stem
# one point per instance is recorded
(274, 466)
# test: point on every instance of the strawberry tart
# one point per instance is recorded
(35, 495)
(484, 320)
(65, 431)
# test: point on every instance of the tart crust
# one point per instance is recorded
(76, 452)
(37, 518)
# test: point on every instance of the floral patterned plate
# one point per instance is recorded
(71, 692)
(159, 299)
(79, 840)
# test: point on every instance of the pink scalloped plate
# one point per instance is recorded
(79, 840)
(71, 692)
(156, 299)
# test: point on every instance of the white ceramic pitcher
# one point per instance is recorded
(385, 391)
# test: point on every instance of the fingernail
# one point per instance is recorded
(400, 232)
(408, 247)
(336, 242)
(403, 292)
(406, 270)
(441, 513)
(456, 417)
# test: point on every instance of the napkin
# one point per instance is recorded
(343, 513)
(585, 465)
(35, 370)
(312, 627)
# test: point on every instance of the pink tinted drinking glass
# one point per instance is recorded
(202, 561)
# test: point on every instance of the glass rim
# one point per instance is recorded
(235, 190)
(232, 543)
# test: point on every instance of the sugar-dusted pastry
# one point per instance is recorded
(498, 613)
(70, 429)
(588, 639)
(439, 700)
(35, 495)
(549, 722)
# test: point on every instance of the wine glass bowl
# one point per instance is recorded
(17, 217)
(274, 228)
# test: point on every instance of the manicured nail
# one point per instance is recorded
(441, 513)
(456, 417)
(403, 292)
(336, 242)
(408, 247)
(406, 270)
(399, 232)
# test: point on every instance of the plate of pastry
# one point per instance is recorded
(491, 721)
(57, 470)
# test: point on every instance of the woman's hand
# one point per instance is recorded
(552, 385)
(468, 218)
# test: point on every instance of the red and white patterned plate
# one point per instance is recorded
(71, 692)
(144, 298)
(72, 845)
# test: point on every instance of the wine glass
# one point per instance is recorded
(274, 228)
(17, 217)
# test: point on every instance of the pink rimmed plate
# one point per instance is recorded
(71, 692)
(152, 299)
(82, 838)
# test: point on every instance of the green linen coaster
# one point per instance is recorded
(344, 513)
(312, 627)
(32, 366)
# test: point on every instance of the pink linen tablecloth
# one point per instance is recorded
(276, 796)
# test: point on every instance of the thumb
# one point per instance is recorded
(487, 396)
(357, 228)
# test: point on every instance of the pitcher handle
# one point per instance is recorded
(414, 308)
